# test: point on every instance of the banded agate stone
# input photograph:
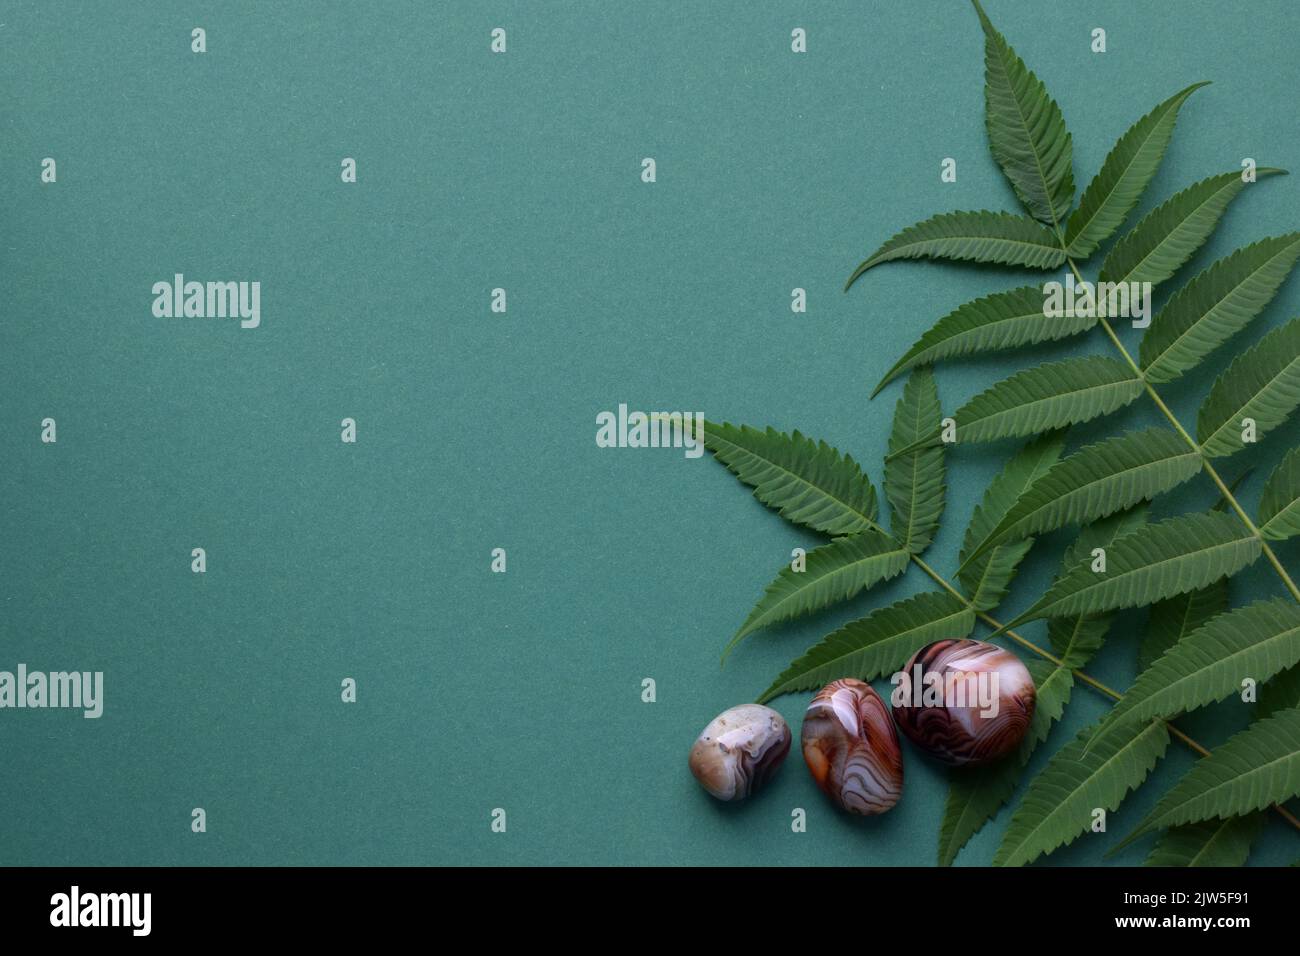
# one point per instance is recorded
(851, 748)
(964, 702)
(739, 751)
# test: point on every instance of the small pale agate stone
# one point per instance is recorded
(740, 750)
(987, 702)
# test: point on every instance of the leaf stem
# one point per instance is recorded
(1191, 442)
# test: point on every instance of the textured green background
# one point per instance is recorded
(476, 430)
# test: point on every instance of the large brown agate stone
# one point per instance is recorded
(964, 702)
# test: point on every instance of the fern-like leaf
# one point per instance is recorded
(1209, 843)
(1170, 234)
(1215, 305)
(914, 479)
(1058, 805)
(1261, 384)
(834, 572)
(1027, 133)
(1254, 768)
(986, 577)
(1258, 641)
(877, 644)
(1098, 480)
(983, 236)
(1004, 320)
(1154, 562)
(1279, 505)
(1049, 396)
(1123, 177)
(808, 482)
(1174, 618)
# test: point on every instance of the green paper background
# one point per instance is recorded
(476, 430)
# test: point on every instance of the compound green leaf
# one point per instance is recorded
(808, 482)
(1047, 397)
(914, 479)
(1123, 177)
(1170, 234)
(983, 236)
(1027, 133)
(834, 572)
(1262, 385)
(1154, 562)
(1098, 480)
(1215, 305)
(1000, 321)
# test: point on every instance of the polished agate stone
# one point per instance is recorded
(740, 750)
(851, 747)
(974, 707)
